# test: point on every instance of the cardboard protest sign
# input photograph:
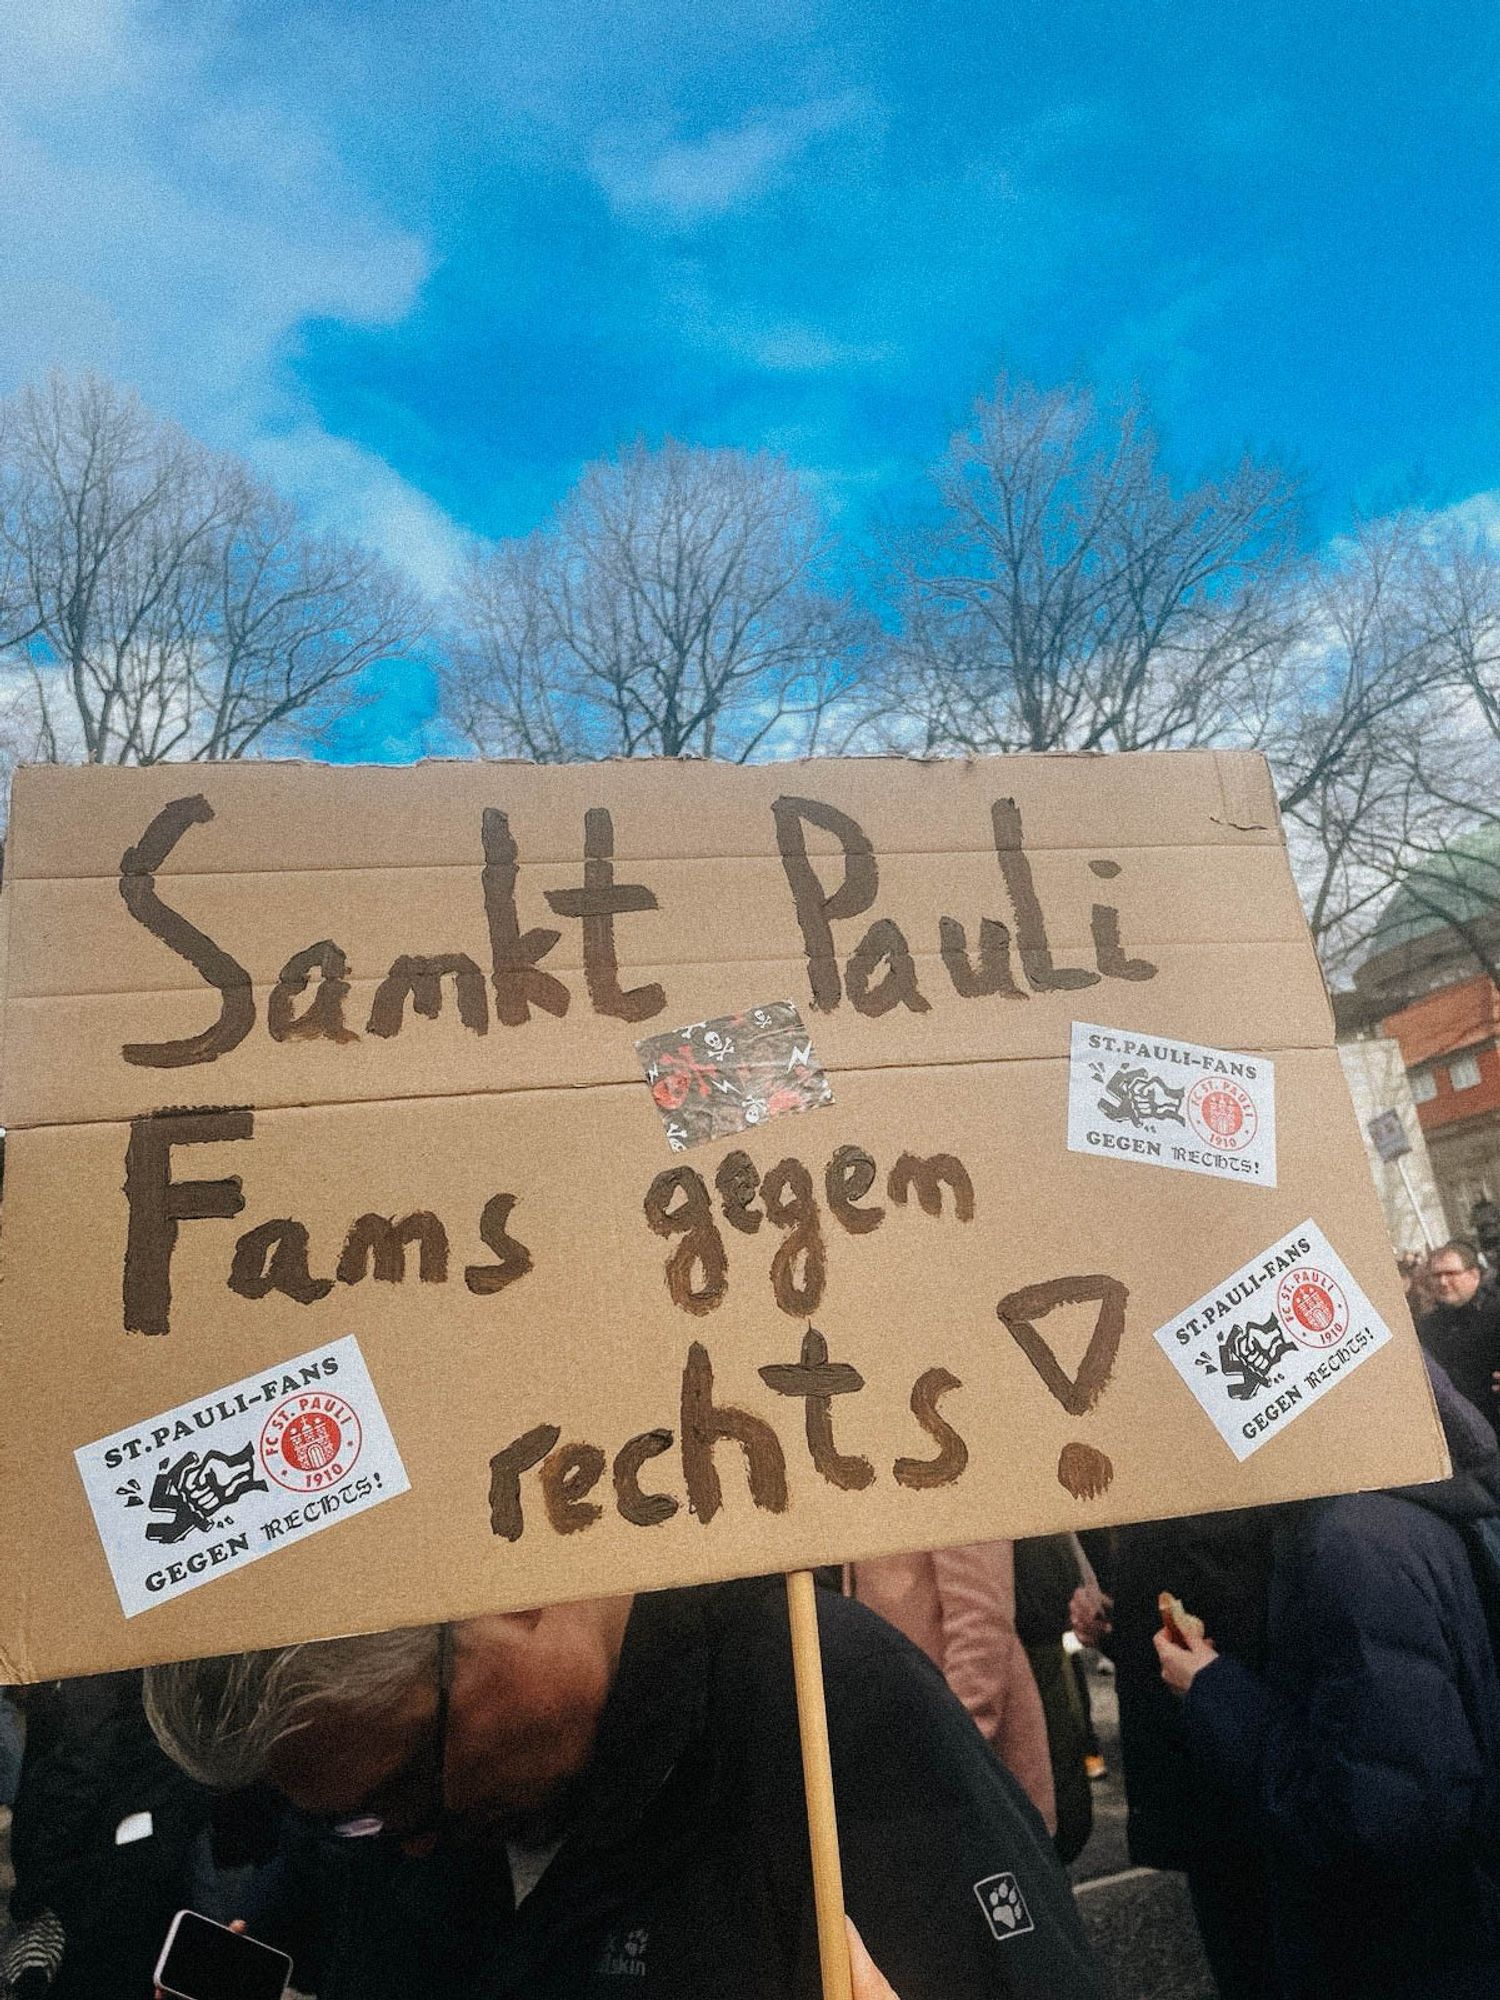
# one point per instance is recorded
(452, 1189)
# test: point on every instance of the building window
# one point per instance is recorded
(1423, 1086)
(1463, 1072)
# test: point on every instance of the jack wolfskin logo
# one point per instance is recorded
(1004, 1906)
(624, 1956)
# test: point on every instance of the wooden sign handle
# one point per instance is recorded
(817, 1781)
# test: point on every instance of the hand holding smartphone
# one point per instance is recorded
(202, 1960)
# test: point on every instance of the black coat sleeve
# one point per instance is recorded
(949, 1873)
(1374, 1759)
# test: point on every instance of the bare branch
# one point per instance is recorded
(1065, 596)
(157, 602)
(676, 605)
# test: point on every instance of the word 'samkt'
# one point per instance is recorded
(879, 973)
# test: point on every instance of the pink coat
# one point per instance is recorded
(959, 1606)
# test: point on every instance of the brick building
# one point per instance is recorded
(1421, 983)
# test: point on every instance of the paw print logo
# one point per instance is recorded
(635, 1943)
(1004, 1906)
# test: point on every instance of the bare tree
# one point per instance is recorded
(1383, 748)
(1066, 596)
(676, 604)
(298, 618)
(1461, 608)
(503, 650)
(1425, 828)
(1364, 653)
(1378, 821)
(158, 602)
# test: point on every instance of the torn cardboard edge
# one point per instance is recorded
(1248, 807)
(568, 786)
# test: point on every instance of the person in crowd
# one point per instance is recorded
(959, 1606)
(105, 1843)
(10, 1748)
(1462, 1331)
(1089, 1615)
(1179, 1816)
(1412, 1264)
(1366, 1746)
(109, 1839)
(1049, 1569)
(1484, 1229)
(533, 1803)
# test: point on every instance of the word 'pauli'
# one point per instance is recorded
(879, 974)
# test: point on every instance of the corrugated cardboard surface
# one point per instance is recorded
(556, 1113)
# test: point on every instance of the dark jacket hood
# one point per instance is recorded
(1473, 1489)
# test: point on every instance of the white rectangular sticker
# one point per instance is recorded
(1163, 1103)
(214, 1484)
(1272, 1338)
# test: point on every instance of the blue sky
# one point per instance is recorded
(423, 259)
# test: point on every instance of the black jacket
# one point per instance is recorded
(90, 1761)
(687, 1874)
(1465, 1342)
(1369, 1750)
(1219, 1565)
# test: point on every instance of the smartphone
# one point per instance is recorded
(202, 1960)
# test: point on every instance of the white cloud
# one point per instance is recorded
(79, 45)
(1478, 516)
(777, 346)
(789, 348)
(174, 226)
(341, 481)
(652, 177)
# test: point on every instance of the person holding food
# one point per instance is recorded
(1178, 1816)
(1366, 1750)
